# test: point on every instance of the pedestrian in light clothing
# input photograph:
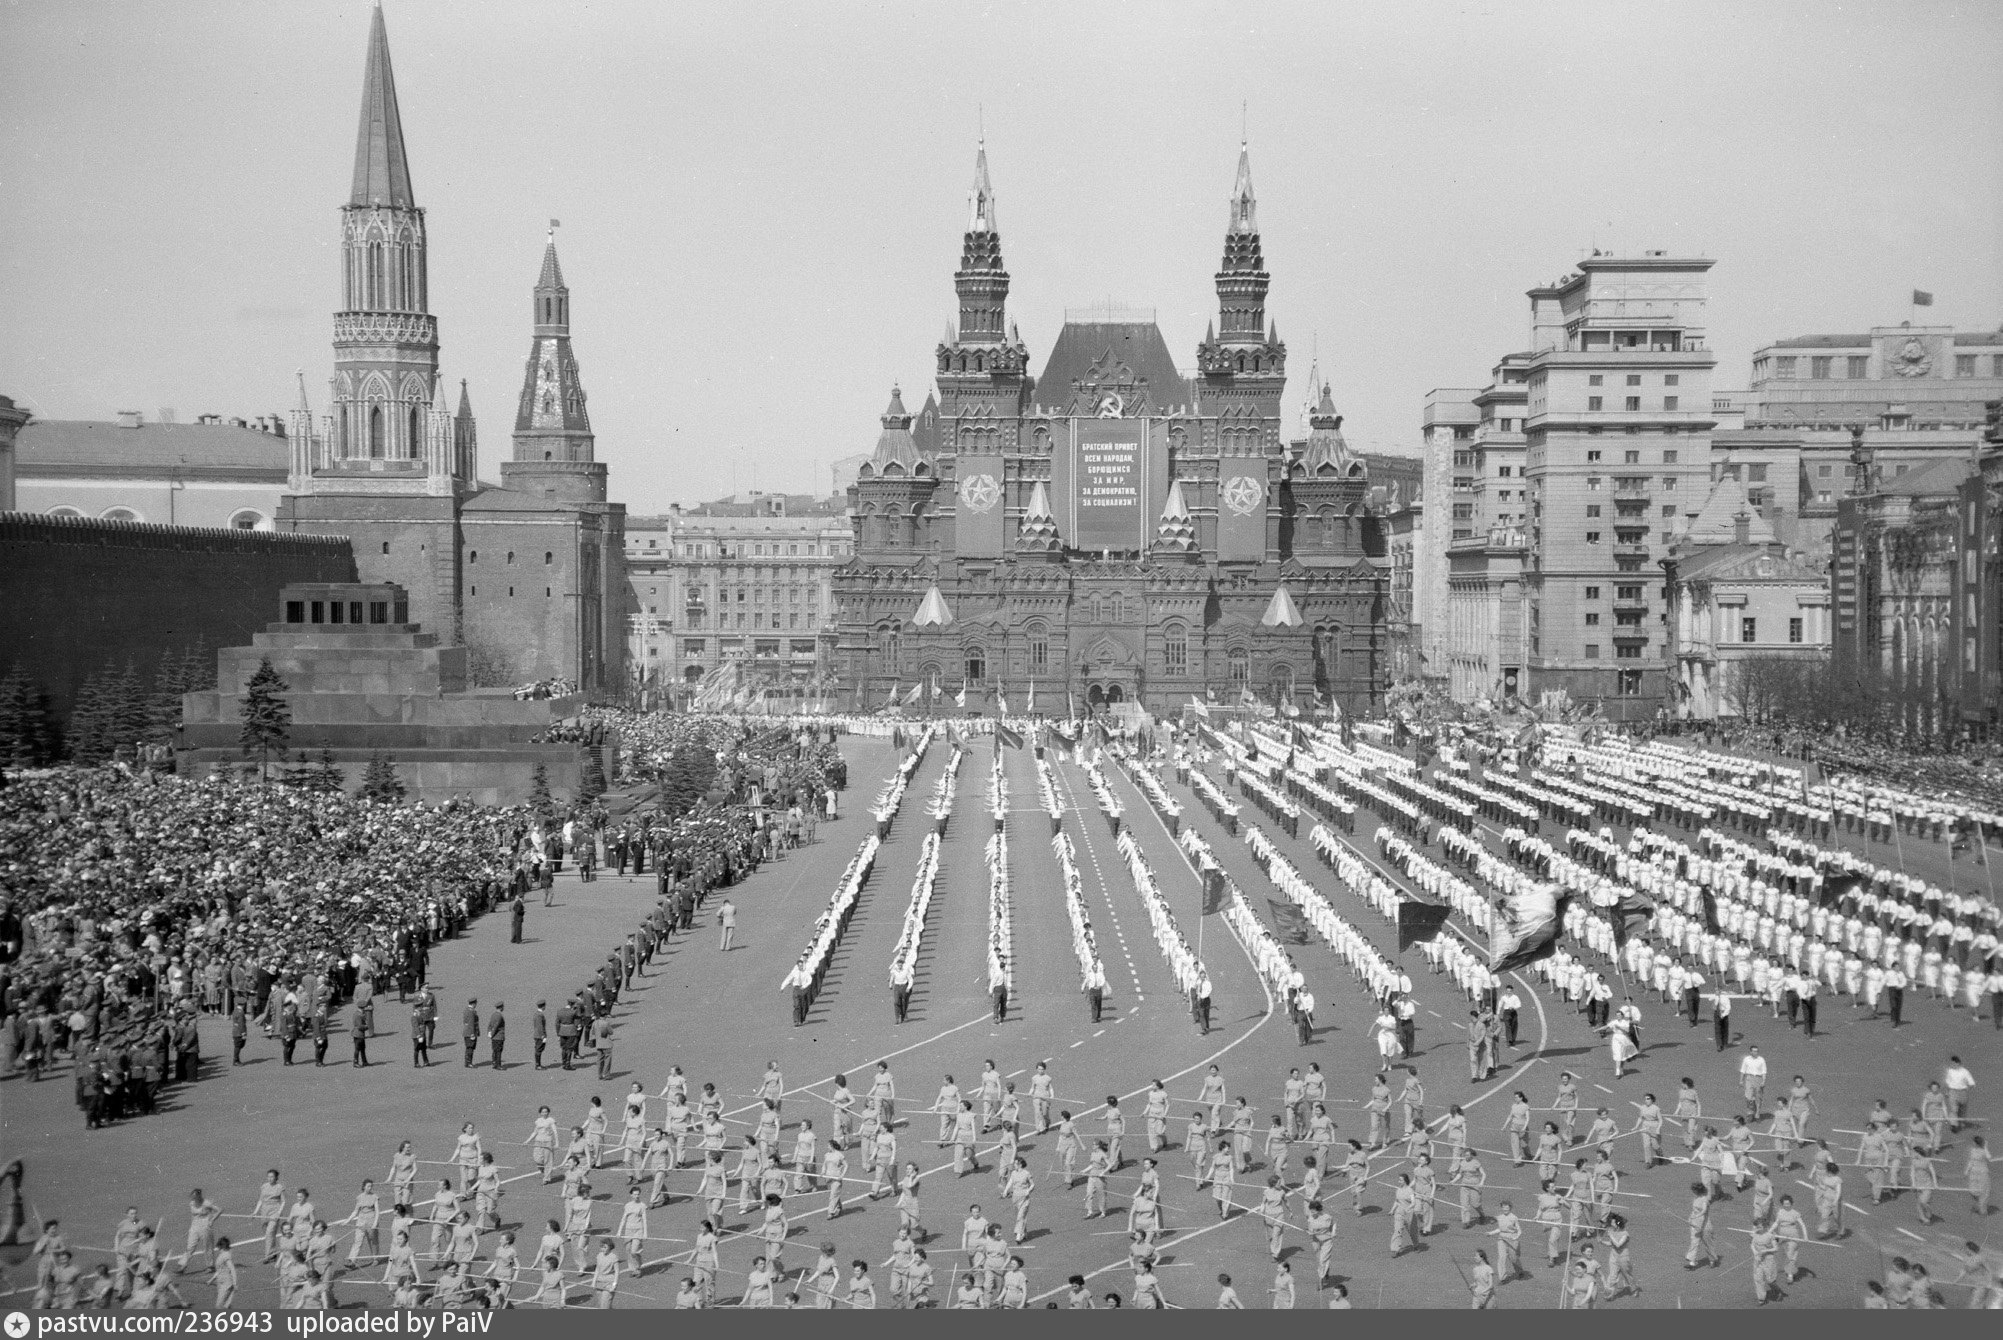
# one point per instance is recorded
(726, 917)
(601, 1038)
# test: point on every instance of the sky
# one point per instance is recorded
(762, 206)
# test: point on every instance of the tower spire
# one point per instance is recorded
(382, 172)
(981, 212)
(1244, 206)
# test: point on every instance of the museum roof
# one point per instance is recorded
(1111, 355)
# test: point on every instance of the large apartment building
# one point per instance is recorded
(1617, 441)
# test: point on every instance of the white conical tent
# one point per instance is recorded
(932, 611)
(1281, 610)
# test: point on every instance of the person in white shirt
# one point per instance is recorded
(1753, 1078)
(1958, 1081)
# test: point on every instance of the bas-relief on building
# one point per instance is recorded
(528, 572)
(1109, 529)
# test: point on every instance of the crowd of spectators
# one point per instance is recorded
(136, 901)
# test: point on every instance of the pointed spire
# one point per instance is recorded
(1177, 532)
(981, 208)
(551, 277)
(465, 401)
(382, 172)
(932, 610)
(895, 445)
(896, 416)
(1244, 207)
(1281, 609)
(304, 407)
(1039, 527)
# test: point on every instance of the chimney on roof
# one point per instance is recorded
(130, 418)
(238, 423)
(1742, 529)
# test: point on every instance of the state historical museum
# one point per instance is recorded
(1111, 531)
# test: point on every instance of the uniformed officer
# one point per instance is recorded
(566, 1032)
(420, 1044)
(539, 1030)
(320, 1034)
(497, 1031)
(518, 913)
(239, 1030)
(361, 1023)
(469, 1028)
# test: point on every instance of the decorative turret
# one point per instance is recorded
(1177, 532)
(983, 351)
(1039, 527)
(385, 339)
(896, 451)
(1327, 454)
(555, 451)
(894, 487)
(1245, 349)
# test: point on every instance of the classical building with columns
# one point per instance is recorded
(1111, 529)
(529, 573)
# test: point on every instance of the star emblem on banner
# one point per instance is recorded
(980, 493)
(1242, 493)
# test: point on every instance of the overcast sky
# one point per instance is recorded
(762, 205)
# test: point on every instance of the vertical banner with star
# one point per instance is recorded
(1241, 507)
(978, 516)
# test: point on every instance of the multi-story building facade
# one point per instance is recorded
(1405, 538)
(1486, 619)
(1447, 480)
(527, 573)
(1917, 392)
(1616, 443)
(1896, 568)
(1112, 530)
(746, 579)
(1978, 602)
(1738, 599)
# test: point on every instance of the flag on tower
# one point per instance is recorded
(1922, 298)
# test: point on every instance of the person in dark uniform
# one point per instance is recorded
(288, 1029)
(239, 1030)
(518, 912)
(469, 1028)
(420, 1042)
(497, 1031)
(187, 1051)
(566, 1032)
(320, 1034)
(89, 1089)
(539, 1030)
(361, 1023)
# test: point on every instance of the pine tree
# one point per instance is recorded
(88, 725)
(179, 673)
(129, 720)
(540, 800)
(592, 784)
(266, 716)
(380, 782)
(20, 743)
(328, 779)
